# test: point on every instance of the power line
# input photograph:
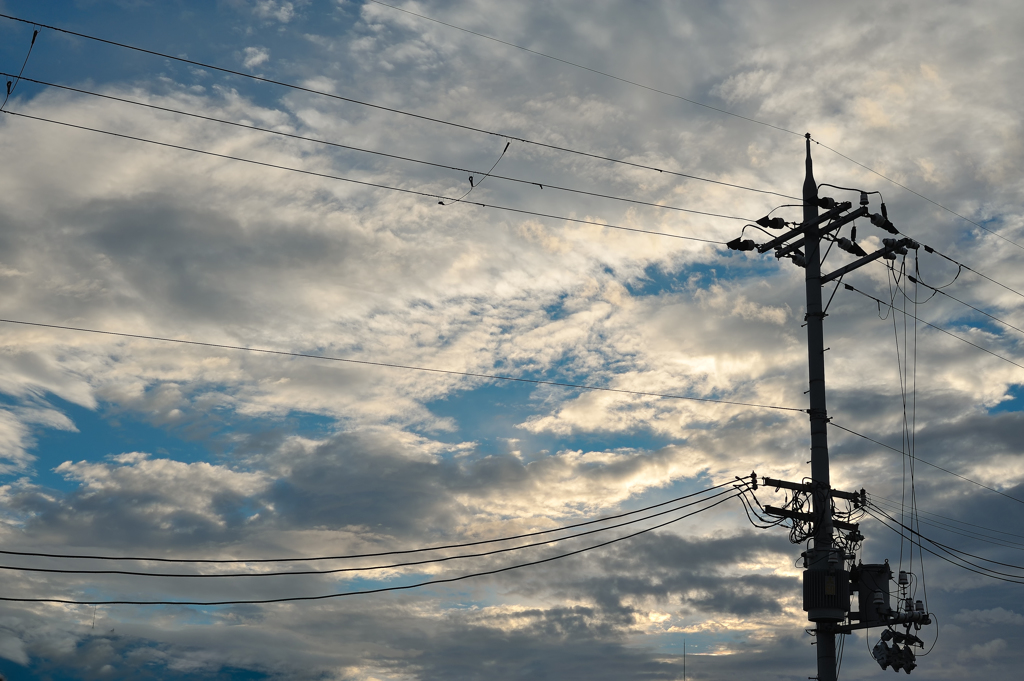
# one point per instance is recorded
(587, 68)
(481, 130)
(962, 522)
(18, 78)
(331, 571)
(964, 563)
(375, 185)
(389, 365)
(701, 104)
(310, 559)
(990, 316)
(918, 459)
(370, 591)
(929, 249)
(349, 147)
(380, 107)
(963, 532)
(981, 571)
(937, 328)
(951, 549)
(903, 186)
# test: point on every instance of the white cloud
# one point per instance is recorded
(992, 617)
(255, 56)
(269, 9)
(983, 651)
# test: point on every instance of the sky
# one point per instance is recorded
(274, 228)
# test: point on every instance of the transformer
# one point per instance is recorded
(871, 582)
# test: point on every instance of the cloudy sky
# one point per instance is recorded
(120, 446)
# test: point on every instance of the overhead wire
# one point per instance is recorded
(13, 85)
(975, 569)
(961, 522)
(937, 328)
(927, 463)
(995, 541)
(369, 568)
(949, 550)
(381, 107)
(979, 310)
(901, 371)
(480, 130)
(378, 554)
(376, 185)
(706, 106)
(361, 592)
(913, 443)
(919, 195)
(929, 249)
(468, 374)
(349, 147)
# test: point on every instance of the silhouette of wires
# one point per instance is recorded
(393, 110)
(382, 154)
(378, 554)
(320, 597)
(375, 185)
(12, 85)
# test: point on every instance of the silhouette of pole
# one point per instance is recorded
(819, 557)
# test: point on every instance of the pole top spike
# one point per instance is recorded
(810, 188)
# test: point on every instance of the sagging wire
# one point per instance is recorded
(907, 376)
(801, 531)
(852, 189)
(785, 205)
(750, 224)
(12, 85)
(473, 185)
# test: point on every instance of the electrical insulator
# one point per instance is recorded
(919, 606)
(895, 246)
(908, 605)
(863, 198)
(883, 223)
(903, 578)
(771, 223)
(850, 246)
(878, 600)
(738, 244)
(753, 480)
(826, 202)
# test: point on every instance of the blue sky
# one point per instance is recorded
(111, 445)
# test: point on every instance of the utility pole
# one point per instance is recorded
(818, 556)
(832, 543)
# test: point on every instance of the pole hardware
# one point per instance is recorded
(891, 246)
(830, 227)
(771, 223)
(738, 244)
(807, 224)
(831, 576)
